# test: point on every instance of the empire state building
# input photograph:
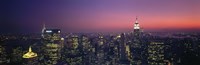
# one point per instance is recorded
(136, 34)
(135, 46)
(136, 26)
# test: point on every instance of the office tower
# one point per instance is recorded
(123, 50)
(100, 50)
(75, 41)
(73, 52)
(86, 49)
(113, 50)
(52, 43)
(156, 53)
(136, 35)
(135, 45)
(85, 43)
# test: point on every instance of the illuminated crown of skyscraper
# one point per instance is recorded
(29, 54)
(136, 24)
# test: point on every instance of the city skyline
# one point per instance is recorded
(100, 16)
(100, 32)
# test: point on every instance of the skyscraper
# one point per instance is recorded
(73, 52)
(156, 53)
(136, 34)
(86, 49)
(100, 52)
(135, 46)
(52, 43)
(123, 51)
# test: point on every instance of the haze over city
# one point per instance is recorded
(100, 15)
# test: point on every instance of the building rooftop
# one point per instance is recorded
(29, 54)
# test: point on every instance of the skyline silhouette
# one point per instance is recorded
(100, 16)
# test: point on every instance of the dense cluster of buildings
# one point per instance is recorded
(132, 48)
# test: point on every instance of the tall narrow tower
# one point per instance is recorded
(136, 26)
(52, 44)
(135, 46)
(136, 34)
(43, 29)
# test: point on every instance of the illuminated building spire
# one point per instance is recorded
(30, 54)
(136, 24)
(30, 50)
(136, 19)
(43, 29)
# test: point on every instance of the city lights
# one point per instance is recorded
(100, 32)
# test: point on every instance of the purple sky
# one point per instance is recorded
(99, 15)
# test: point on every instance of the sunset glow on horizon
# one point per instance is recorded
(103, 15)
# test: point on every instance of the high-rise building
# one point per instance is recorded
(100, 52)
(156, 53)
(113, 50)
(73, 52)
(52, 43)
(123, 50)
(136, 35)
(135, 45)
(87, 50)
(85, 43)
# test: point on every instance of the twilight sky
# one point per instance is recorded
(99, 15)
